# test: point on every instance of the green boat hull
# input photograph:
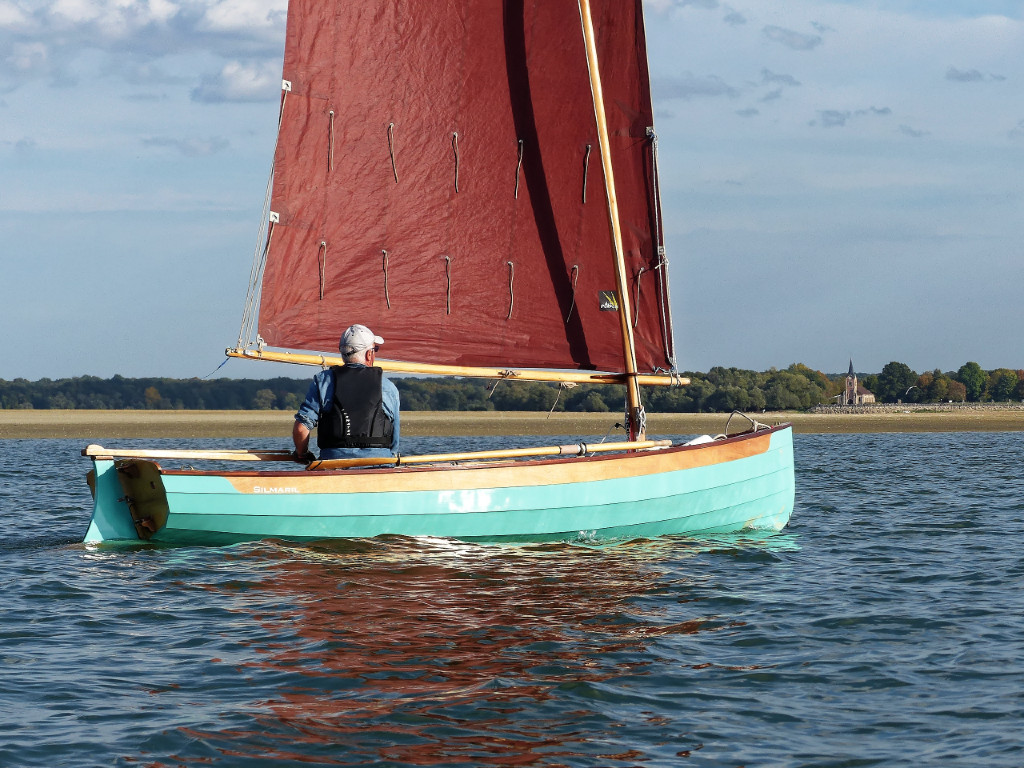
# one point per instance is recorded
(741, 483)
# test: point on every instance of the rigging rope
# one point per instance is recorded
(668, 336)
(676, 379)
(391, 149)
(219, 367)
(322, 263)
(330, 143)
(252, 298)
(511, 292)
(636, 301)
(574, 276)
(386, 297)
(519, 166)
(586, 170)
(455, 149)
(616, 425)
(264, 235)
(448, 277)
(641, 418)
(561, 385)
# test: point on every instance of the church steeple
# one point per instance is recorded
(854, 394)
(851, 386)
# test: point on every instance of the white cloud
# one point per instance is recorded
(767, 76)
(238, 81)
(795, 40)
(137, 30)
(734, 17)
(971, 76)
(964, 76)
(244, 16)
(77, 11)
(831, 118)
(913, 133)
(189, 147)
(686, 85)
(661, 6)
(12, 17)
(111, 20)
(27, 58)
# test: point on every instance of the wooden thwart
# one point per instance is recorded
(577, 449)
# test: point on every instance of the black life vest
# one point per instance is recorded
(356, 417)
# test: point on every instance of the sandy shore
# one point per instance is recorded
(97, 426)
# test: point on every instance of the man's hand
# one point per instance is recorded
(306, 458)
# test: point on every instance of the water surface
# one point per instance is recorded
(884, 626)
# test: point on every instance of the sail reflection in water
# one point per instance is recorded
(435, 652)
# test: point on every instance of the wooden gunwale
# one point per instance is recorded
(471, 466)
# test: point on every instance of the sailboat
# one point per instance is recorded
(478, 183)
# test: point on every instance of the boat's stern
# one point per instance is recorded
(129, 502)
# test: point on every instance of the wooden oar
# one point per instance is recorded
(577, 449)
(218, 455)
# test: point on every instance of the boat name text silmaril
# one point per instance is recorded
(271, 489)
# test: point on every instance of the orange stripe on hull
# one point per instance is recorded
(504, 475)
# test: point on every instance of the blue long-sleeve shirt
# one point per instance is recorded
(319, 399)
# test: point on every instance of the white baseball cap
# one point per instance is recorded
(357, 338)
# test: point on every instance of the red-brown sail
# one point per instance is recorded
(438, 179)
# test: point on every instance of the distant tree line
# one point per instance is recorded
(719, 390)
(970, 383)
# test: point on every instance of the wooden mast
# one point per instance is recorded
(636, 417)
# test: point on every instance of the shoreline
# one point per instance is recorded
(97, 426)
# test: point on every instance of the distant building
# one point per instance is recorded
(855, 394)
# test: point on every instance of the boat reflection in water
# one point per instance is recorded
(422, 652)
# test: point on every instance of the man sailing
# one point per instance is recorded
(352, 406)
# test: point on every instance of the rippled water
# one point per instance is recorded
(884, 627)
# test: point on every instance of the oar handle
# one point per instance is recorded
(96, 451)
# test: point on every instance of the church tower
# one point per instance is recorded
(851, 387)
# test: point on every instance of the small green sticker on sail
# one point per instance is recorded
(608, 301)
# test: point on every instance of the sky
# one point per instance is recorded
(841, 179)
